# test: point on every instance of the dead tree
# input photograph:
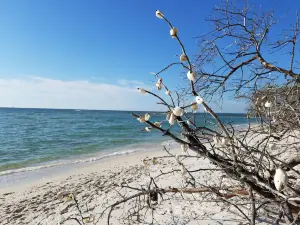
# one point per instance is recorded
(260, 160)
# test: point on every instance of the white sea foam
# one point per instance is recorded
(70, 162)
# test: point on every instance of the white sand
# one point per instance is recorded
(95, 185)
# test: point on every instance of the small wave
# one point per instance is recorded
(33, 168)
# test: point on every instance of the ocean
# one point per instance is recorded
(33, 139)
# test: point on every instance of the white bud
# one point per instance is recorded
(141, 119)
(177, 158)
(158, 85)
(178, 111)
(172, 119)
(173, 32)
(159, 14)
(268, 104)
(148, 129)
(183, 58)
(191, 75)
(142, 91)
(168, 115)
(147, 116)
(194, 106)
(168, 92)
(157, 124)
(199, 100)
(189, 122)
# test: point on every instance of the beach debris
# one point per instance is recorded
(194, 106)
(172, 119)
(88, 219)
(183, 170)
(70, 197)
(177, 111)
(60, 195)
(154, 161)
(159, 14)
(168, 92)
(157, 124)
(184, 147)
(148, 129)
(280, 179)
(268, 104)
(159, 84)
(147, 116)
(142, 91)
(272, 146)
(183, 58)
(191, 75)
(199, 100)
(145, 162)
(173, 32)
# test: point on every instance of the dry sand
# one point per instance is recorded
(97, 185)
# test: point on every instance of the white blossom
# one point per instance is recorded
(191, 75)
(172, 119)
(157, 124)
(147, 116)
(178, 111)
(158, 85)
(194, 106)
(199, 100)
(173, 32)
(148, 129)
(168, 92)
(142, 91)
(268, 104)
(183, 58)
(159, 14)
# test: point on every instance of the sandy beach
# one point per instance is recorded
(99, 184)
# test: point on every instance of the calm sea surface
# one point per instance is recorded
(36, 138)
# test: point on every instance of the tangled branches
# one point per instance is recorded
(261, 161)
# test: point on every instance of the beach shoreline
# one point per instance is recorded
(17, 181)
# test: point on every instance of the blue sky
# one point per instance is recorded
(82, 51)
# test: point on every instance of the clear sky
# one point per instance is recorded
(93, 54)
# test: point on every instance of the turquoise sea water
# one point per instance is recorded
(36, 138)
